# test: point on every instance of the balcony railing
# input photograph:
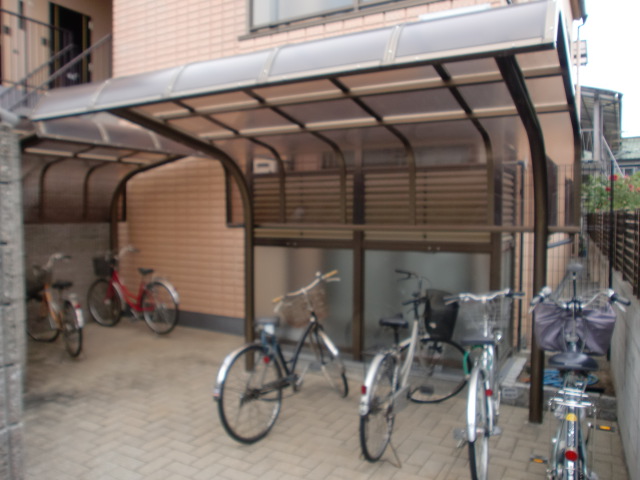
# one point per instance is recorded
(27, 44)
(31, 65)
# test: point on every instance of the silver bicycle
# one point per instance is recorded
(423, 368)
(578, 328)
(483, 402)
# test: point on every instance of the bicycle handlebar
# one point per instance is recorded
(416, 300)
(481, 298)
(545, 294)
(326, 277)
(55, 257)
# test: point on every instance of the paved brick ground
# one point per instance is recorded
(137, 406)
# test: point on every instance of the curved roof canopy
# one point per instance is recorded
(477, 79)
(392, 76)
(71, 166)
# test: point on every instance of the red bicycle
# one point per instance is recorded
(108, 299)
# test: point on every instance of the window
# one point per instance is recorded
(269, 13)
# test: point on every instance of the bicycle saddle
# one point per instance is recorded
(145, 271)
(275, 321)
(62, 284)
(573, 361)
(397, 321)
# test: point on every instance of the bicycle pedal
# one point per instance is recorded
(604, 428)
(426, 389)
(539, 459)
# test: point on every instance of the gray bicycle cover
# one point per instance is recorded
(594, 328)
(549, 326)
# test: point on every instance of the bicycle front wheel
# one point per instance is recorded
(330, 364)
(40, 325)
(438, 371)
(71, 330)
(478, 426)
(249, 394)
(376, 414)
(104, 303)
(159, 307)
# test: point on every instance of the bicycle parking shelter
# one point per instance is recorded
(408, 138)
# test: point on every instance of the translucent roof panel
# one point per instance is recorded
(71, 166)
(464, 32)
(514, 29)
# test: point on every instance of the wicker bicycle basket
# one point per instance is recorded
(102, 266)
(36, 278)
(296, 310)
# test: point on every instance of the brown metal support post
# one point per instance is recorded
(358, 259)
(357, 341)
(120, 190)
(515, 82)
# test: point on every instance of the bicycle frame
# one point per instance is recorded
(132, 300)
(52, 306)
(271, 344)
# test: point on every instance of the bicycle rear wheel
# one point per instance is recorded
(377, 416)
(327, 356)
(71, 330)
(104, 303)
(249, 394)
(568, 466)
(478, 422)
(159, 308)
(438, 371)
(40, 325)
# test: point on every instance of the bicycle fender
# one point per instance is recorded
(365, 399)
(471, 404)
(224, 368)
(334, 350)
(167, 284)
(73, 300)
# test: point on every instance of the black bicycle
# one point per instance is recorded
(252, 378)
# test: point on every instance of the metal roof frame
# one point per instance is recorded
(102, 140)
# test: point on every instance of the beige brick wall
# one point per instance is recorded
(150, 35)
(176, 218)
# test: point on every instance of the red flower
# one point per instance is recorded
(608, 189)
(613, 177)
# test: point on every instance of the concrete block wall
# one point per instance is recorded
(12, 331)
(625, 367)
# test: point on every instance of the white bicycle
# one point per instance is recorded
(423, 368)
(483, 403)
